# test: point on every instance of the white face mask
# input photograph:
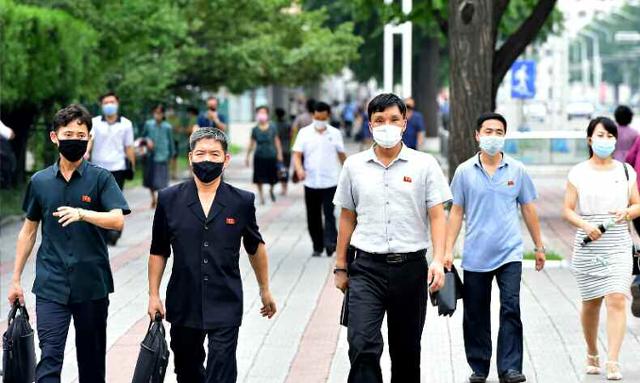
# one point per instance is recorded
(387, 136)
(319, 124)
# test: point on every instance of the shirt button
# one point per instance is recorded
(206, 278)
(206, 227)
(387, 202)
(206, 244)
(389, 221)
(205, 260)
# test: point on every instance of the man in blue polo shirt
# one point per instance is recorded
(413, 136)
(75, 200)
(488, 190)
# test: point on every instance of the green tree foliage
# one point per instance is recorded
(247, 44)
(47, 57)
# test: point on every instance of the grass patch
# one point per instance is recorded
(551, 256)
(11, 201)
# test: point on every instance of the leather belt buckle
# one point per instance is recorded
(395, 258)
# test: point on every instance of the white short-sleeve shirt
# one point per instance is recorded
(110, 142)
(320, 151)
(602, 191)
(391, 203)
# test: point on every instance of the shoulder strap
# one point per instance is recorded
(626, 171)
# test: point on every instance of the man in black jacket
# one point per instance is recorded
(204, 221)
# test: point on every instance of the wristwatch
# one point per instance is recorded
(339, 269)
(542, 250)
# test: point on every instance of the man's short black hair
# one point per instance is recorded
(623, 115)
(109, 94)
(281, 113)
(383, 101)
(266, 108)
(71, 113)
(490, 116)
(311, 103)
(321, 107)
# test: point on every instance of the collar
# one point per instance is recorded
(403, 155)
(80, 169)
(219, 202)
(504, 162)
(118, 120)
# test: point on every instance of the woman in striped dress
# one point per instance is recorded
(603, 191)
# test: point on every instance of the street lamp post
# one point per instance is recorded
(597, 61)
(405, 30)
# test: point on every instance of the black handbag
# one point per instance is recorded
(19, 353)
(154, 355)
(447, 297)
(128, 171)
(344, 312)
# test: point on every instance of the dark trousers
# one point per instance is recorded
(477, 319)
(317, 202)
(90, 322)
(400, 290)
(188, 351)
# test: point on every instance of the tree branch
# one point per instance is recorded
(518, 41)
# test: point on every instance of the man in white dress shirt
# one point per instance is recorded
(318, 153)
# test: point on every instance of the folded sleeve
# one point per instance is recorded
(251, 237)
(457, 187)
(111, 196)
(528, 191)
(437, 187)
(160, 242)
(31, 205)
(344, 193)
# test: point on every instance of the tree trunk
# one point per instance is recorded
(426, 88)
(471, 49)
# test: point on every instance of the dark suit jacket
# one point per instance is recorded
(205, 289)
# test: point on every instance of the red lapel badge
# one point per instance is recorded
(407, 179)
(510, 183)
(86, 198)
(230, 221)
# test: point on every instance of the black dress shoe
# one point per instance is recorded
(513, 376)
(330, 251)
(316, 254)
(477, 378)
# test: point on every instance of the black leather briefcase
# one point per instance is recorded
(154, 355)
(19, 354)
(447, 297)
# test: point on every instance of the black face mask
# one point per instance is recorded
(72, 150)
(207, 171)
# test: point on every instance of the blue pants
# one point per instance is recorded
(90, 322)
(188, 351)
(477, 319)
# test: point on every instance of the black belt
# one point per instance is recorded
(392, 258)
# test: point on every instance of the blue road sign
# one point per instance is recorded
(523, 79)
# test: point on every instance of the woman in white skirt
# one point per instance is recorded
(604, 192)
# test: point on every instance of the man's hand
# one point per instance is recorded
(341, 280)
(301, 174)
(435, 276)
(448, 261)
(15, 292)
(268, 304)
(68, 215)
(541, 258)
(213, 116)
(155, 307)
